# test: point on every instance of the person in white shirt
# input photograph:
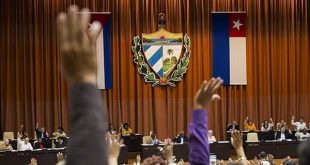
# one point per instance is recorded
(302, 135)
(211, 137)
(154, 140)
(267, 126)
(24, 145)
(300, 125)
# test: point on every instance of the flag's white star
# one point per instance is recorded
(237, 24)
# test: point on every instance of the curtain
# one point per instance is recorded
(33, 89)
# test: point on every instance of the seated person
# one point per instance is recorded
(233, 127)
(59, 143)
(267, 126)
(181, 138)
(283, 134)
(211, 137)
(59, 133)
(22, 132)
(154, 140)
(126, 130)
(300, 125)
(6, 146)
(249, 125)
(39, 144)
(281, 124)
(42, 133)
(111, 129)
(24, 145)
(302, 135)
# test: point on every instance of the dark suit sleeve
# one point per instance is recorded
(229, 127)
(87, 127)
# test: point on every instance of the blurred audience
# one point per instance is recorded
(39, 144)
(267, 126)
(281, 124)
(302, 134)
(211, 137)
(249, 125)
(22, 132)
(41, 133)
(180, 138)
(111, 129)
(126, 130)
(299, 125)
(233, 126)
(283, 134)
(6, 146)
(23, 145)
(59, 133)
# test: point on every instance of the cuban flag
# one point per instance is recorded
(229, 47)
(103, 49)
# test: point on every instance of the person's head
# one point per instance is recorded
(42, 129)
(33, 161)
(266, 122)
(7, 142)
(60, 130)
(210, 133)
(282, 121)
(26, 140)
(111, 127)
(250, 122)
(181, 133)
(153, 136)
(235, 122)
(126, 126)
(282, 129)
(304, 153)
(262, 155)
(40, 140)
(301, 119)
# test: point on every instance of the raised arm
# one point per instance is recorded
(246, 120)
(88, 114)
(271, 122)
(293, 121)
(198, 140)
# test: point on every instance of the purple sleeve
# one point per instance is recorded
(198, 140)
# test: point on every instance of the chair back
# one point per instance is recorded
(252, 137)
(8, 135)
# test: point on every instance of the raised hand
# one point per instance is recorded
(114, 145)
(236, 139)
(77, 45)
(207, 93)
(168, 151)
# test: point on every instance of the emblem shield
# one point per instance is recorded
(162, 51)
(159, 55)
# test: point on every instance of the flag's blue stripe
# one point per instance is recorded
(146, 47)
(161, 72)
(220, 37)
(107, 55)
(157, 56)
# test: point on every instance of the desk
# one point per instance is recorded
(221, 149)
(279, 149)
(180, 151)
(46, 157)
(133, 142)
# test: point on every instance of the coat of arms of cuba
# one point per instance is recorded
(159, 55)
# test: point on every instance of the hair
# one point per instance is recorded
(304, 153)
(125, 124)
(62, 129)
